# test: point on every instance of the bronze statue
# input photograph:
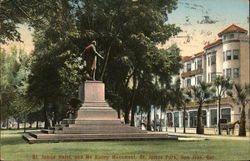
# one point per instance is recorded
(90, 57)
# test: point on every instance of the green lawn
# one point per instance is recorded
(15, 148)
(15, 131)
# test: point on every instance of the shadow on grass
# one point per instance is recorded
(12, 140)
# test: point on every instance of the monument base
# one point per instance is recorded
(95, 120)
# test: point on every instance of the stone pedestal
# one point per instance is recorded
(94, 106)
(95, 116)
(95, 120)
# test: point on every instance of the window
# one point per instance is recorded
(226, 114)
(188, 67)
(231, 36)
(198, 79)
(236, 54)
(188, 82)
(208, 77)
(213, 76)
(176, 119)
(169, 119)
(213, 59)
(213, 117)
(208, 61)
(199, 64)
(193, 119)
(224, 55)
(224, 37)
(228, 73)
(236, 72)
(228, 55)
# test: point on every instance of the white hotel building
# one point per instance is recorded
(228, 56)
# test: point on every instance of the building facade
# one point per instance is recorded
(228, 57)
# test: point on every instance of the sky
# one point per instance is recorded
(198, 31)
(200, 21)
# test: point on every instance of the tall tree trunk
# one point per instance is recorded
(118, 113)
(149, 120)
(141, 119)
(199, 128)
(37, 124)
(105, 61)
(46, 120)
(132, 101)
(219, 128)
(242, 130)
(154, 119)
(18, 123)
(132, 122)
(24, 126)
(54, 120)
(184, 119)
(126, 115)
(160, 119)
(7, 123)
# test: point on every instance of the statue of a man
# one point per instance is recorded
(90, 57)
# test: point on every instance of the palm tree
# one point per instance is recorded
(222, 85)
(201, 94)
(180, 98)
(240, 96)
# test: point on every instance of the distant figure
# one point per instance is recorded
(230, 126)
(90, 56)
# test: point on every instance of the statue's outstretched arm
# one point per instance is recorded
(97, 54)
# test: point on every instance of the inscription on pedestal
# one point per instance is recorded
(93, 91)
(94, 106)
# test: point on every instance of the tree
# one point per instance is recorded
(123, 29)
(180, 98)
(14, 75)
(112, 23)
(240, 95)
(201, 94)
(14, 13)
(145, 96)
(164, 102)
(222, 85)
(35, 117)
(45, 83)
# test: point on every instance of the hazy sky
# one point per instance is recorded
(200, 20)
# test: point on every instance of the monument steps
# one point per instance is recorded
(98, 125)
(95, 104)
(89, 122)
(96, 122)
(40, 135)
(97, 131)
(42, 138)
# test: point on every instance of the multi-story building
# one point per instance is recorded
(229, 57)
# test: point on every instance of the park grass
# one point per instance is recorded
(16, 131)
(15, 148)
